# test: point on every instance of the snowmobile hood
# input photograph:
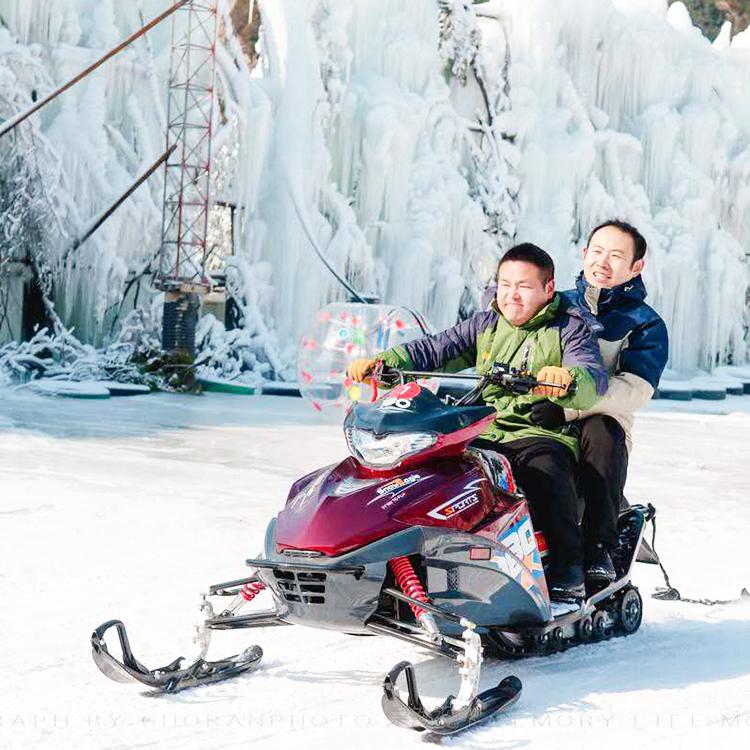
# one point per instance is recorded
(341, 508)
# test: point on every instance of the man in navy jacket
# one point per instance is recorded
(634, 346)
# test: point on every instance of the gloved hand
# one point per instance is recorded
(547, 414)
(359, 370)
(560, 376)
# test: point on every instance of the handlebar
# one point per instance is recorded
(515, 381)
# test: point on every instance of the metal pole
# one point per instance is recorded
(183, 140)
(168, 129)
(106, 214)
(18, 119)
(204, 259)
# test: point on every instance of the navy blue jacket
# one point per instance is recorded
(634, 344)
(627, 323)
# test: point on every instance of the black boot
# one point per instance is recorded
(566, 584)
(599, 567)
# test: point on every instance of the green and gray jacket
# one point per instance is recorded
(557, 335)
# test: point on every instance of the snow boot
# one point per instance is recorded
(599, 567)
(567, 584)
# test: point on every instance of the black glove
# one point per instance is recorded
(546, 414)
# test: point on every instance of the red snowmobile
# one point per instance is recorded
(420, 537)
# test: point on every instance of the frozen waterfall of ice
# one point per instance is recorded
(633, 113)
(365, 126)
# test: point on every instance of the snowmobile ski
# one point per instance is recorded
(456, 713)
(172, 677)
(445, 719)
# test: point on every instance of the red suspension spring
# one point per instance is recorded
(250, 590)
(409, 583)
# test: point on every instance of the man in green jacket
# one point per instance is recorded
(529, 327)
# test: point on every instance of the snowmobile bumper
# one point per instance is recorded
(172, 677)
(346, 592)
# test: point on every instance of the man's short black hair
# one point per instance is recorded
(639, 243)
(529, 253)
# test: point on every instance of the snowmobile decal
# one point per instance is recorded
(458, 504)
(519, 538)
(499, 469)
(505, 480)
(392, 500)
(401, 396)
(395, 490)
(400, 483)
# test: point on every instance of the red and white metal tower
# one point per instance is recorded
(190, 112)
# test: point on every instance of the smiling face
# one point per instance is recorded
(522, 291)
(608, 260)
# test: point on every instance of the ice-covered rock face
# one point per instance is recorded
(86, 148)
(365, 130)
(620, 110)
(624, 110)
(367, 144)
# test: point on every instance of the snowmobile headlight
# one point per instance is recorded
(388, 451)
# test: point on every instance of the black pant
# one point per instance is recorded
(545, 470)
(603, 468)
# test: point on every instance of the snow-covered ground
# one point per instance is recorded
(129, 507)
